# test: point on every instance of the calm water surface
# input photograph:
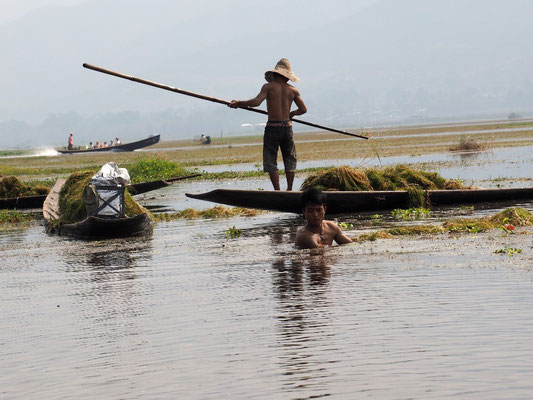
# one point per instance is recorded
(189, 313)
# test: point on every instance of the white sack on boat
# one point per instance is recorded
(110, 174)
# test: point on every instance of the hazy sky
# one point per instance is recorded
(361, 62)
(12, 9)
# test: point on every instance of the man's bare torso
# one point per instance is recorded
(279, 100)
(307, 238)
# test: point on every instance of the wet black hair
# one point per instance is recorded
(314, 196)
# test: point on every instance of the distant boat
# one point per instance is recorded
(149, 141)
(347, 202)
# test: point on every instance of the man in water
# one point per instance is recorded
(317, 232)
(71, 141)
(278, 131)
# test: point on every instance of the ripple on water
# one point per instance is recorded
(190, 313)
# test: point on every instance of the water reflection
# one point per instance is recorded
(301, 287)
(108, 292)
(471, 155)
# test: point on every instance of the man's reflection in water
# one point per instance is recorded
(301, 285)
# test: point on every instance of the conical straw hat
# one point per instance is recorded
(283, 67)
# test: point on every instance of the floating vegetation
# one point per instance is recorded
(415, 230)
(510, 251)
(11, 186)
(232, 232)
(399, 177)
(71, 205)
(468, 225)
(345, 225)
(510, 217)
(371, 237)
(469, 144)
(152, 169)
(214, 212)
(10, 219)
(411, 213)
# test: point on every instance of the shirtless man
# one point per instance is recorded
(317, 232)
(278, 131)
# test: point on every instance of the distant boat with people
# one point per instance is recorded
(149, 141)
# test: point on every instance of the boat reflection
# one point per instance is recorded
(107, 290)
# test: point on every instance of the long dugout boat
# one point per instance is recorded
(149, 141)
(348, 202)
(25, 202)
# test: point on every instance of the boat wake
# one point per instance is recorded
(39, 152)
(44, 152)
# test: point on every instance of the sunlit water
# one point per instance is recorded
(190, 313)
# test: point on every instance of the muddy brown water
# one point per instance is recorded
(190, 313)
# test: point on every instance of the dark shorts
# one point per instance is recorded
(278, 136)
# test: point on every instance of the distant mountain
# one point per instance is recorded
(359, 63)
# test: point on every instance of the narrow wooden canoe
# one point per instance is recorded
(347, 202)
(94, 227)
(25, 202)
(143, 187)
(121, 147)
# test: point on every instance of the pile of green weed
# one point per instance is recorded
(338, 178)
(468, 144)
(71, 206)
(11, 186)
(399, 177)
(515, 215)
(153, 169)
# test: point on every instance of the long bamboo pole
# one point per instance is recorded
(208, 98)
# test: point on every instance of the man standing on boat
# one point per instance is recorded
(278, 131)
(317, 232)
(71, 141)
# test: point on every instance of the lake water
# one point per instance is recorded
(192, 314)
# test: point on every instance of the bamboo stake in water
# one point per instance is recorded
(208, 98)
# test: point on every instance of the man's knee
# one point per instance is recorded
(269, 168)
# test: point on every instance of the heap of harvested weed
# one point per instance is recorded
(71, 205)
(214, 212)
(468, 144)
(399, 177)
(11, 186)
(514, 216)
(338, 178)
